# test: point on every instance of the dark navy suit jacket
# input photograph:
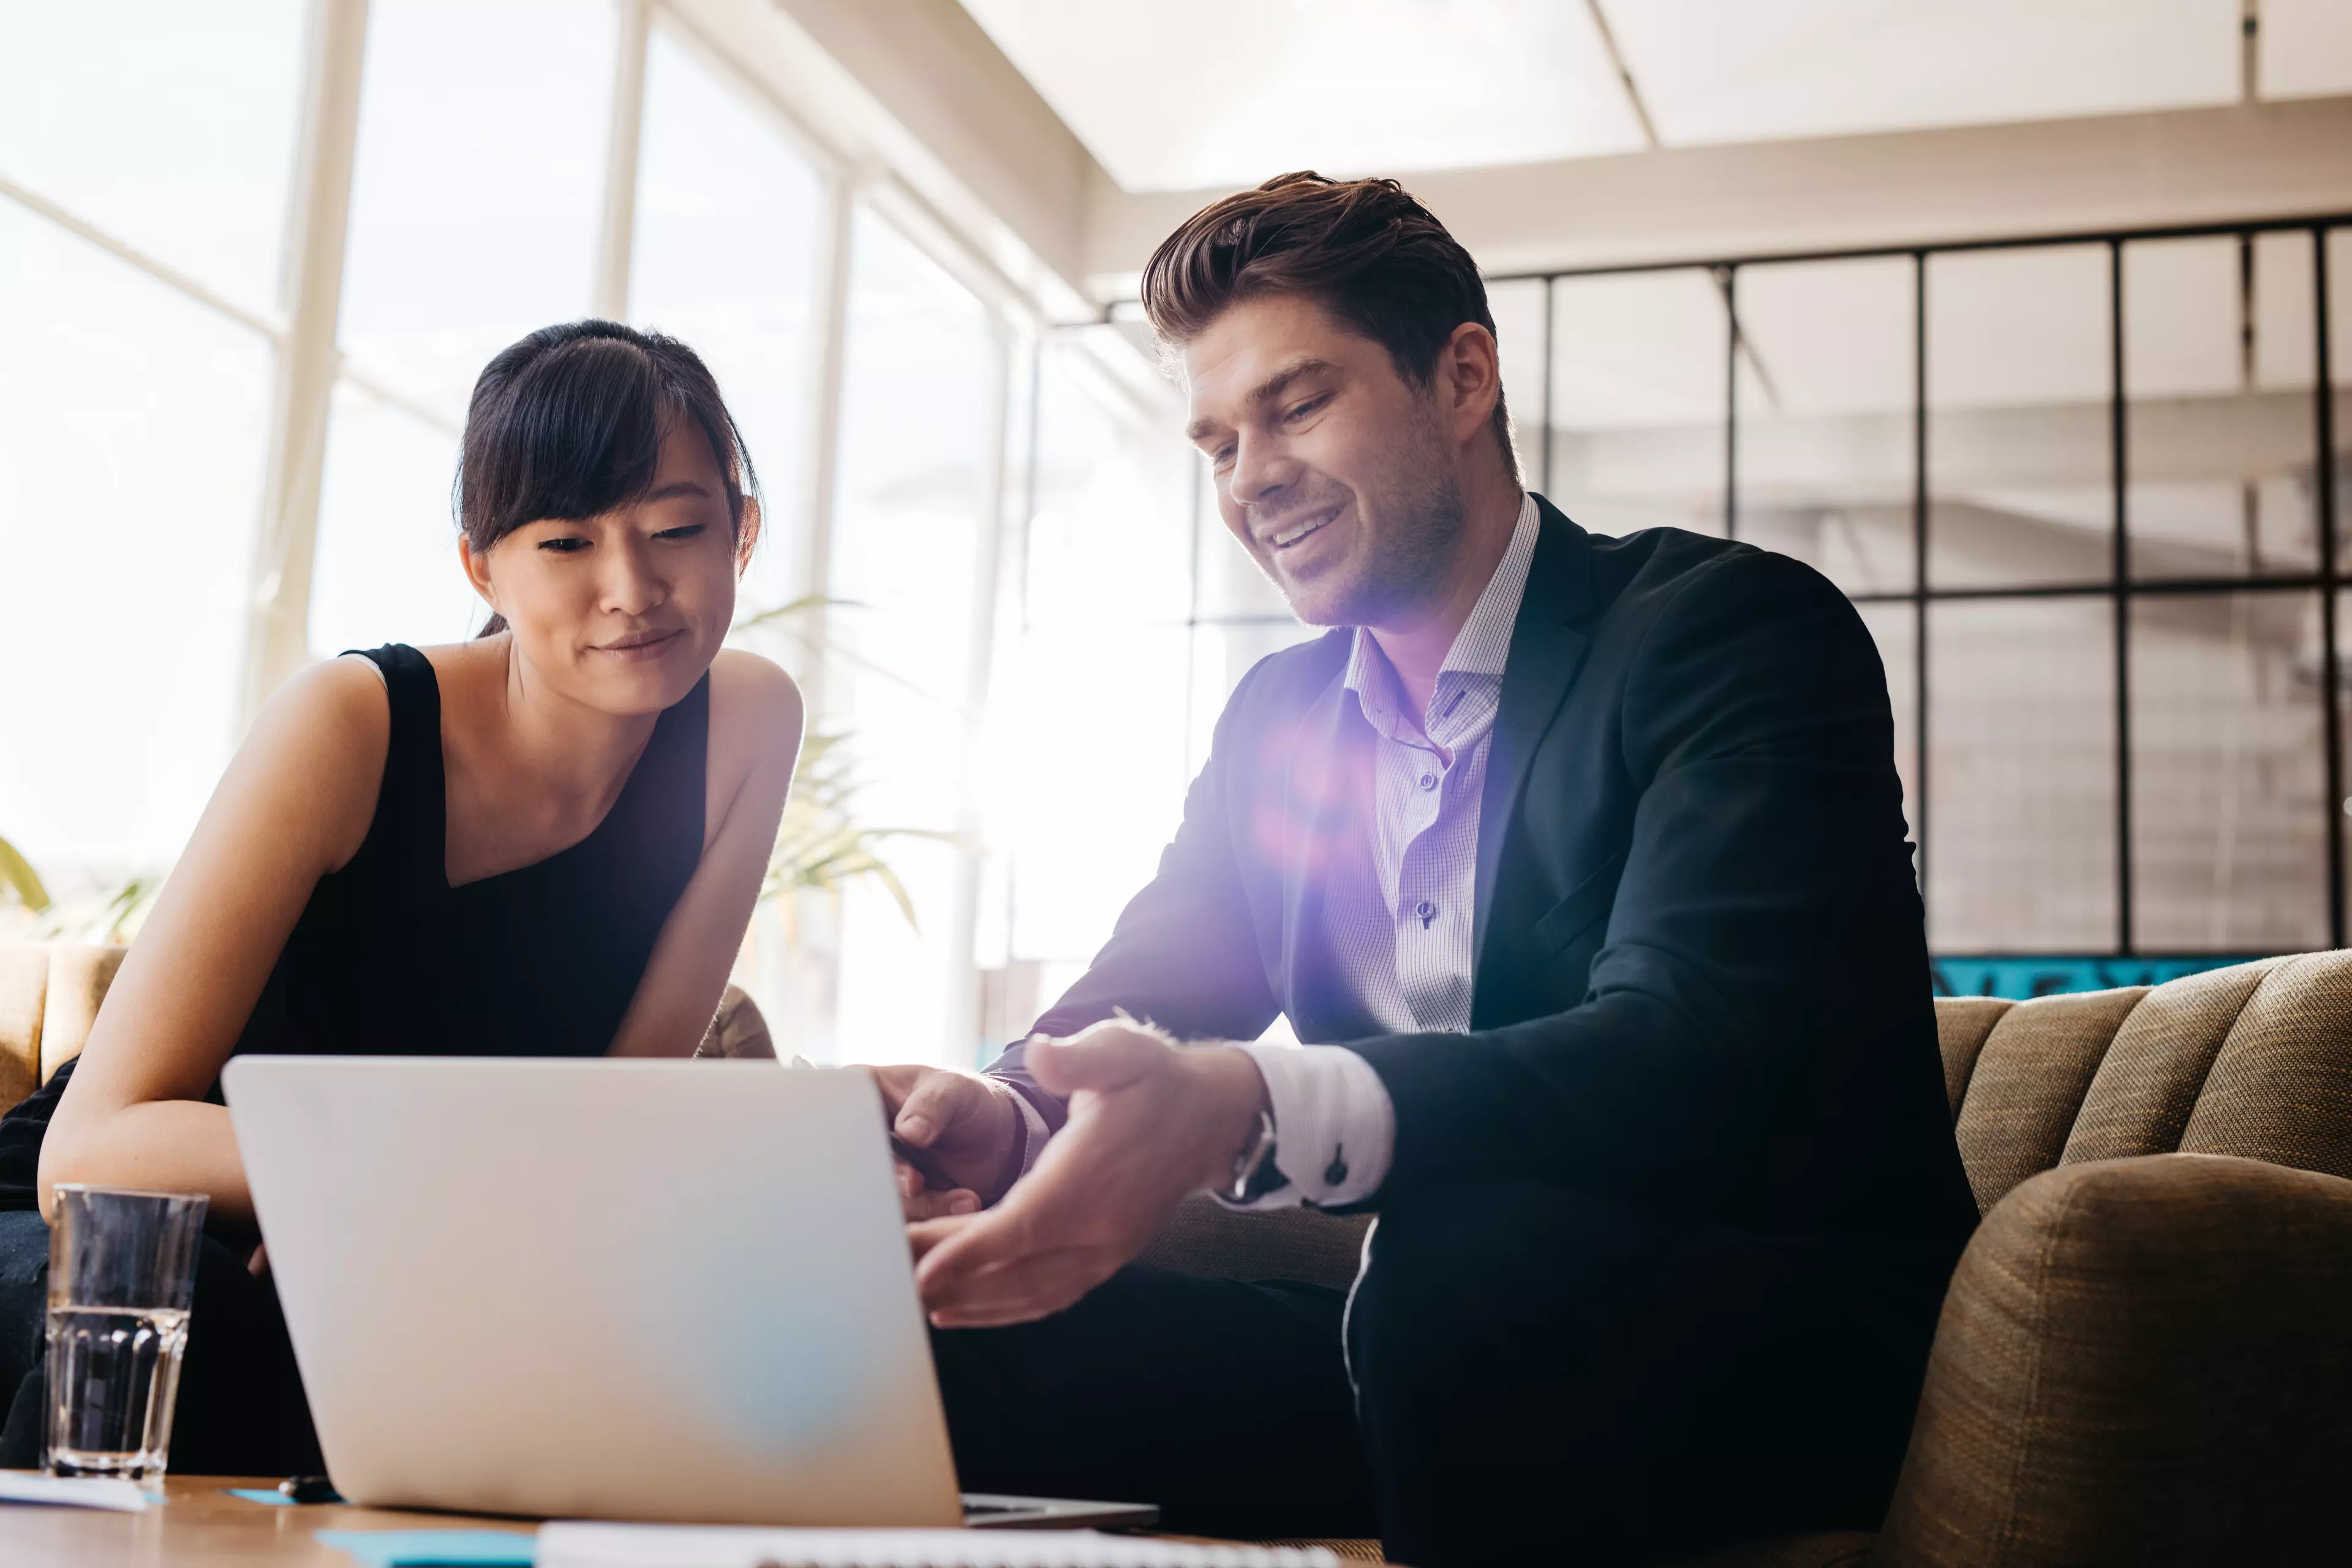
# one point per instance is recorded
(1701, 975)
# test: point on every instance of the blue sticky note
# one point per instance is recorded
(434, 1548)
(255, 1494)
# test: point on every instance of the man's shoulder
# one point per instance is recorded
(1290, 679)
(1639, 576)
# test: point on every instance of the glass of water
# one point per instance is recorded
(122, 1267)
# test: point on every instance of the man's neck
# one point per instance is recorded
(1416, 647)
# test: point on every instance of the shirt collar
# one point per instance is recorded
(1482, 644)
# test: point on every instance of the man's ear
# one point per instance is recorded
(1470, 374)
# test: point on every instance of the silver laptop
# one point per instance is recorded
(608, 1290)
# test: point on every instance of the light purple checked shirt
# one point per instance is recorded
(1400, 913)
(1399, 916)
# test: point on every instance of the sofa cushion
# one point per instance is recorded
(2029, 1083)
(2280, 1086)
(2148, 1083)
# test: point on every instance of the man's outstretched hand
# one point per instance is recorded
(1151, 1122)
(968, 1125)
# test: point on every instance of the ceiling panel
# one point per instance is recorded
(1222, 93)
(1734, 70)
(2305, 49)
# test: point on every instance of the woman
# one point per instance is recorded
(544, 842)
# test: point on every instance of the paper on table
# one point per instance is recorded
(579, 1545)
(74, 1491)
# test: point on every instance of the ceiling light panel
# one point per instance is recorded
(2305, 49)
(1226, 92)
(1734, 70)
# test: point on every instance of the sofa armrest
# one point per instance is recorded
(2140, 1360)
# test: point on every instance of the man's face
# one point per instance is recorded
(1330, 468)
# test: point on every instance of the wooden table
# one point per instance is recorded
(202, 1527)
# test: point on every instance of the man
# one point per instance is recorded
(1578, 862)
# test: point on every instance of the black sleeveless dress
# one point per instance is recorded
(389, 960)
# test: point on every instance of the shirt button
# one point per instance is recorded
(1426, 910)
(1429, 780)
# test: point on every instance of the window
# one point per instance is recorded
(730, 222)
(473, 221)
(133, 429)
(1639, 375)
(1086, 756)
(2119, 627)
(134, 407)
(913, 556)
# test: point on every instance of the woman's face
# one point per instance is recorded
(624, 612)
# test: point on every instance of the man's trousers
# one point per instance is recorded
(1521, 1373)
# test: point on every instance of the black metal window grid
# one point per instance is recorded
(2121, 586)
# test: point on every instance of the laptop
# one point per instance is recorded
(606, 1290)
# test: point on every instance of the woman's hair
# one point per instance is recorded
(1365, 250)
(569, 423)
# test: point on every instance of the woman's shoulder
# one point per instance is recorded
(340, 703)
(752, 695)
(755, 725)
(315, 757)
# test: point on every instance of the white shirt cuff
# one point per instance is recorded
(1334, 1125)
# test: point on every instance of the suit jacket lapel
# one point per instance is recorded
(1546, 650)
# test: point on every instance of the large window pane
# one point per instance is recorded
(1895, 628)
(479, 177)
(1518, 311)
(386, 567)
(2229, 796)
(1826, 388)
(924, 380)
(2218, 371)
(166, 124)
(2020, 440)
(2021, 766)
(1637, 401)
(132, 433)
(728, 223)
(474, 209)
(1101, 650)
(2339, 370)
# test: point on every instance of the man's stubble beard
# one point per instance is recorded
(1408, 562)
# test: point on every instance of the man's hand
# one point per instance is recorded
(970, 1127)
(1151, 1122)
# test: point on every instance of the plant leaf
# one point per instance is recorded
(17, 873)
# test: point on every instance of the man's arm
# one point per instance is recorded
(1184, 954)
(1769, 824)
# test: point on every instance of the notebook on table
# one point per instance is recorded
(582, 1545)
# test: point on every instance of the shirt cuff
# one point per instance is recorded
(1334, 1125)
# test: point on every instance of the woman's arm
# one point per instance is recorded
(755, 737)
(294, 804)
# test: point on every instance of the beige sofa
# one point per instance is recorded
(2145, 1354)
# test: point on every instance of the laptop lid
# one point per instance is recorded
(614, 1290)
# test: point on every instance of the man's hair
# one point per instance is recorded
(1364, 250)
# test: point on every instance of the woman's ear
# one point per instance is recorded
(477, 572)
(747, 534)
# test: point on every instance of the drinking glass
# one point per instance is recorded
(122, 1267)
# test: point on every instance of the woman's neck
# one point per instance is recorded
(577, 755)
